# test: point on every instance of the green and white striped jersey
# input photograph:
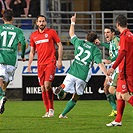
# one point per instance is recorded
(113, 48)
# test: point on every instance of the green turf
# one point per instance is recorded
(86, 117)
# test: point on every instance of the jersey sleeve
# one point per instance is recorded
(75, 41)
(22, 41)
(56, 37)
(119, 59)
(97, 56)
(125, 42)
(106, 45)
(32, 43)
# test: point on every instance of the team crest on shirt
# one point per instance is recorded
(46, 35)
(50, 77)
(123, 86)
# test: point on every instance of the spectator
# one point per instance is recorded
(18, 7)
(34, 8)
(3, 7)
(0, 9)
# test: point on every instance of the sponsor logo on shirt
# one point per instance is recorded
(42, 41)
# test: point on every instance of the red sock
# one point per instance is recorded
(45, 101)
(50, 96)
(130, 101)
(120, 110)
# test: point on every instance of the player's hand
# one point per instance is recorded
(109, 78)
(29, 68)
(107, 61)
(110, 71)
(23, 59)
(73, 18)
(97, 42)
(59, 64)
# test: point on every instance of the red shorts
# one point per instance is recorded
(46, 73)
(124, 86)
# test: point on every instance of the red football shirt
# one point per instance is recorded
(126, 44)
(44, 45)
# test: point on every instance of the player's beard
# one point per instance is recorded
(42, 27)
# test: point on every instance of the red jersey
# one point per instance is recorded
(44, 45)
(126, 44)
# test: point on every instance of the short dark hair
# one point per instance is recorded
(91, 36)
(8, 15)
(121, 20)
(110, 27)
(40, 16)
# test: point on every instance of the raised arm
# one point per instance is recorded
(73, 20)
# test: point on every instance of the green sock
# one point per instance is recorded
(2, 93)
(69, 106)
(61, 94)
(111, 100)
(115, 93)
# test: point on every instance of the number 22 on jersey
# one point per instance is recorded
(81, 52)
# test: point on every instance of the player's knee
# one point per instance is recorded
(75, 97)
(126, 96)
(106, 89)
(47, 87)
(112, 90)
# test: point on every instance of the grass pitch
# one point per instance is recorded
(88, 116)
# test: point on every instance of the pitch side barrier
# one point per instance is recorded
(31, 90)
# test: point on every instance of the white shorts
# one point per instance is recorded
(7, 72)
(74, 85)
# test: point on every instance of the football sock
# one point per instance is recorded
(115, 93)
(61, 94)
(111, 99)
(2, 93)
(120, 110)
(45, 101)
(130, 101)
(69, 106)
(50, 96)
